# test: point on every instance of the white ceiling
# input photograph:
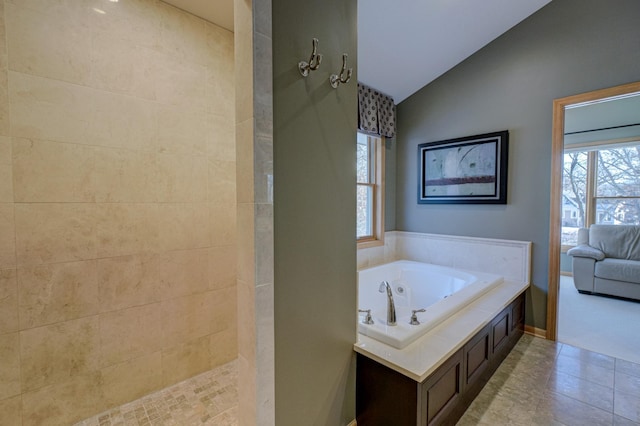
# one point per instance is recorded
(403, 45)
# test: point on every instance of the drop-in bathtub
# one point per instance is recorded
(440, 290)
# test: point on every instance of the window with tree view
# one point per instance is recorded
(369, 188)
(600, 185)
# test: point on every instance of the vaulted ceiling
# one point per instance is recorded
(403, 45)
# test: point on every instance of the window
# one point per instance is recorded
(370, 190)
(603, 184)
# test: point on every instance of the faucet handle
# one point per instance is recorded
(414, 317)
(367, 318)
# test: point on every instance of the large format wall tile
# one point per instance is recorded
(222, 182)
(183, 319)
(132, 379)
(123, 121)
(182, 178)
(4, 90)
(10, 366)
(180, 84)
(124, 229)
(183, 272)
(222, 308)
(123, 67)
(4, 98)
(6, 170)
(11, 411)
(130, 333)
(224, 346)
(185, 360)
(124, 176)
(59, 352)
(8, 301)
(186, 226)
(43, 46)
(55, 232)
(222, 267)
(221, 139)
(223, 222)
(42, 108)
(183, 131)
(128, 281)
(8, 241)
(183, 36)
(64, 402)
(46, 171)
(132, 22)
(57, 292)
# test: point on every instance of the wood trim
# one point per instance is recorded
(590, 213)
(353, 423)
(533, 331)
(583, 146)
(378, 196)
(555, 223)
(380, 177)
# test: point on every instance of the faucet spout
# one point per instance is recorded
(391, 307)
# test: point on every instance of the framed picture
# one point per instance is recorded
(469, 170)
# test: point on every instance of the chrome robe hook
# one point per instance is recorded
(345, 74)
(314, 60)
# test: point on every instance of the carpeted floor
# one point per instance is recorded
(600, 324)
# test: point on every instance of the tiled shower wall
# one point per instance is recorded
(117, 204)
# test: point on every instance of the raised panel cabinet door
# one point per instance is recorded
(441, 392)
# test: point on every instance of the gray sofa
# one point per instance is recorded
(607, 261)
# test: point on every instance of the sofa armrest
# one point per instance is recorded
(583, 271)
(586, 251)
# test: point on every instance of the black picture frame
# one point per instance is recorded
(468, 170)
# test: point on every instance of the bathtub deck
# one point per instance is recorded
(422, 357)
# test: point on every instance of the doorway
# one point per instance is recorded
(558, 200)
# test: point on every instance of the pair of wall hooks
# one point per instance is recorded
(314, 63)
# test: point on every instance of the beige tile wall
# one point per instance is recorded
(117, 204)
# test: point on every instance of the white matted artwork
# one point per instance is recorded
(469, 170)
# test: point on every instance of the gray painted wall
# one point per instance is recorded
(566, 48)
(390, 161)
(314, 214)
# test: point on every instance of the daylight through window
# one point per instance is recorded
(601, 185)
(370, 195)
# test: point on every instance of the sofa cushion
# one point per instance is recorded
(619, 270)
(616, 241)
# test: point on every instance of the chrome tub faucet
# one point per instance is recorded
(391, 307)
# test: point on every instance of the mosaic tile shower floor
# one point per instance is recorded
(211, 398)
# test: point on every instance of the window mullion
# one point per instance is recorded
(592, 168)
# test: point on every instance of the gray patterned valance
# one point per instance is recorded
(376, 112)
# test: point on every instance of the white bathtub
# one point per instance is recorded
(440, 290)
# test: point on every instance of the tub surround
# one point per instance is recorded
(509, 259)
(422, 357)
